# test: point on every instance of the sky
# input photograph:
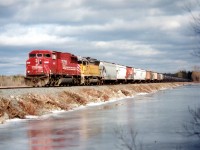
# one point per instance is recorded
(149, 34)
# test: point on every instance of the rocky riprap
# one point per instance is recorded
(18, 103)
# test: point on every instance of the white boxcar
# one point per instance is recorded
(108, 70)
(139, 74)
(155, 76)
(121, 72)
(160, 76)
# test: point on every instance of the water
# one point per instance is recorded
(157, 119)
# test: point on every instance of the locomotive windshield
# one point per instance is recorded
(47, 55)
(32, 55)
(74, 59)
(39, 55)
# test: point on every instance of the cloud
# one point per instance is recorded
(145, 34)
(16, 35)
(11, 61)
(128, 48)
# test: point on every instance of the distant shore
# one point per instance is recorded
(19, 103)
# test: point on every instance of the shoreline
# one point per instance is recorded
(24, 103)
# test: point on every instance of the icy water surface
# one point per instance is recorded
(157, 118)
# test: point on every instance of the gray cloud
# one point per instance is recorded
(154, 35)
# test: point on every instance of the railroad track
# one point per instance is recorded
(29, 87)
(15, 87)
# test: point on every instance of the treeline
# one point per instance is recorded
(181, 74)
(190, 75)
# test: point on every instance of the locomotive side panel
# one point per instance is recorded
(90, 70)
(89, 74)
(67, 64)
(94, 70)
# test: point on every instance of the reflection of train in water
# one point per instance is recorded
(52, 68)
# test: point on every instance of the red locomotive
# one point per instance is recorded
(45, 67)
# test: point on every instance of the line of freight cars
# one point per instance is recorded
(52, 68)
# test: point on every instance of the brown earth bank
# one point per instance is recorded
(18, 103)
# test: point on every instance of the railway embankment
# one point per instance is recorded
(19, 103)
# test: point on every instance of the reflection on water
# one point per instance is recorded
(59, 133)
(158, 118)
(47, 136)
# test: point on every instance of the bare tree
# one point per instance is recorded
(193, 9)
(127, 139)
(193, 127)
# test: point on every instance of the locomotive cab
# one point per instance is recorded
(39, 63)
(38, 67)
(51, 68)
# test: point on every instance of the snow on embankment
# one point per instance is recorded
(18, 103)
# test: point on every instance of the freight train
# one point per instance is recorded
(53, 68)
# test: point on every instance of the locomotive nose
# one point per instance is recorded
(35, 66)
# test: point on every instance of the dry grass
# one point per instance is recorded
(16, 80)
(196, 76)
